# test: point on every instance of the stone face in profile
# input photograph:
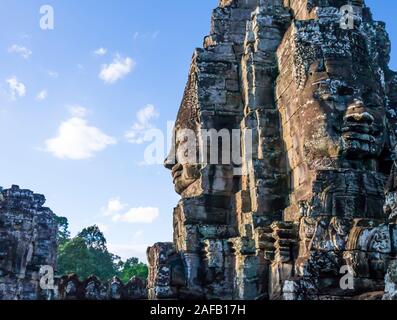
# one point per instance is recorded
(183, 174)
(310, 80)
(183, 159)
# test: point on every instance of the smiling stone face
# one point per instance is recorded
(333, 101)
(335, 97)
(182, 160)
(354, 102)
(349, 115)
(320, 101)
(363, 131)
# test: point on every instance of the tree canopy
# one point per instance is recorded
(63, 230)
(133, 268)
(87, 254)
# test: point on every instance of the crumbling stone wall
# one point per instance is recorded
(320, 102)
(27, 242)
(70, 287)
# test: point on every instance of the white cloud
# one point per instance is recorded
(118, 69)
(119, 212)
(76, 140)
(146, 114)
(138, 234)
(138, 215)
(100, 51)
(144, 117)
(17, 89)
(78, 111)
(114, 206)
(22, 51)
(147, 35)
(53, 74)
(42, 95)
(102, 227)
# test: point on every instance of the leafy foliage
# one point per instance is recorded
(63, 230)
(73, 257)
(94, 238)
(133, 268)
(87, 254)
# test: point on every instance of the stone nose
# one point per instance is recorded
(357, 113)
(168, 165)
(172, 159)
(169, 162)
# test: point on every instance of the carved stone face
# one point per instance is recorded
(338, 116)
(71, 288)
(351, 113)
(115, 289)
(182, 160)
(92, 290)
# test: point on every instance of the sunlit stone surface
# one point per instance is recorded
(312, 215)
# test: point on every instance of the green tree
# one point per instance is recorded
(133, 268)
(94, 238)
(104, 263)
(87, 254)
(63, 235)
(74, 257)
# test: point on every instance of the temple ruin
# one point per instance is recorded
(28, 257)
(308, 211)
(28, 241)
(313, 203)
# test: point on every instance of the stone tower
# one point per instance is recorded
(308, 81)
(28, 241)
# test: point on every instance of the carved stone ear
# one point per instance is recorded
(306, 53)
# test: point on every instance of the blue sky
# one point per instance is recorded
(56, 82)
